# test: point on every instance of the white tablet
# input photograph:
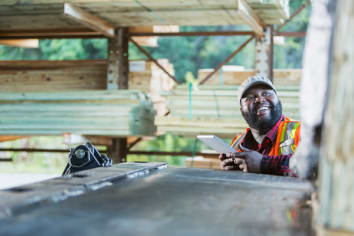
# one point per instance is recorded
(216, 143)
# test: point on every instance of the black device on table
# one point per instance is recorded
(84, 157)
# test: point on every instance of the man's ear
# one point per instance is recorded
(241, 106)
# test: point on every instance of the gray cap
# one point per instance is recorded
(253, 81)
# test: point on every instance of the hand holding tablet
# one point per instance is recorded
(216, 143)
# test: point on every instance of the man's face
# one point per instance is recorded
(261, 108)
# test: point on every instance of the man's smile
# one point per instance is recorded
(262, 109)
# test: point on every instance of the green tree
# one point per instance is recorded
(289, 55)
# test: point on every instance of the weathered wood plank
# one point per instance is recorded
(25, 43)
(37, 76)
(48, 14)
(86, 18)
(214, 110)
(337, 146)
(247, 14)
(118, 113)
(234, 76)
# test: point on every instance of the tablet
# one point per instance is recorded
(216, 143)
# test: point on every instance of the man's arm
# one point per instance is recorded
(276, 165)
(252, 161)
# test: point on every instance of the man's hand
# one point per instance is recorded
(247, 161)
(229, 162)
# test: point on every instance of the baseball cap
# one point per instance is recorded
(253, 81)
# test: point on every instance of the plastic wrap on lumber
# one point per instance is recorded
(235, 76)
(114, 113)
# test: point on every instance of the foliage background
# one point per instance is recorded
(187, 54)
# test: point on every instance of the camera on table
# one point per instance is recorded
(85, 157)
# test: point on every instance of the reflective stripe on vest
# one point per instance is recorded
(286, 138)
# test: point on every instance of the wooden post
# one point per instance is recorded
(118, 151)
(337, 147)
(264, 54)
(117, 78)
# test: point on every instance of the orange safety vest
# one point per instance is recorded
(287, 139)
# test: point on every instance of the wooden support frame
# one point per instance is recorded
(136, 141)
(118, 64)
(290, 34)
(50, 34)
(270, 53)
(118, 78)
(25, 43)
(141, 49)
(250, 18)
(264, 54)
(227, 59)
(300, 9)
(100, 31)
(86, 33)
(91, 21)
(195, 33)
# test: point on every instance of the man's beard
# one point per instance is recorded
(265, 124)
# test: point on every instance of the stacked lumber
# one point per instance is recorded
(233, 75)
(147, 77)
(213, 109)
(111, 113)
(151, 41)
(45, 76)
(271, 11)
(40, 15)
(9, 138)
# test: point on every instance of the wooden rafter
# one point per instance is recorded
(26, 43)
(250, 17)
(227, 60)
(91, 21)
(141, 49)
(300, 9)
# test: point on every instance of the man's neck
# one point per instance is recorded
(257, 136)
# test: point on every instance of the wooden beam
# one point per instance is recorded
(300, 9)
(226, 60)
(123, 41)
(290, 34)
(49, 33)
(250, 17)
(136, 141)
(141, 49)
(118, 65)
(91, 21)
(45, 64)
(196, 33)
(25, 43)
(336, 192)
(117, 78)
(155, 29)
(269, 33)
(118, 151)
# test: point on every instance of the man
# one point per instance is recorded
(271, 138)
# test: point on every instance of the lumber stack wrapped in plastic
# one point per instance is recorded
(271, 11)
(45, 76)
(214, 109)
(117, 113)
(235, 75)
